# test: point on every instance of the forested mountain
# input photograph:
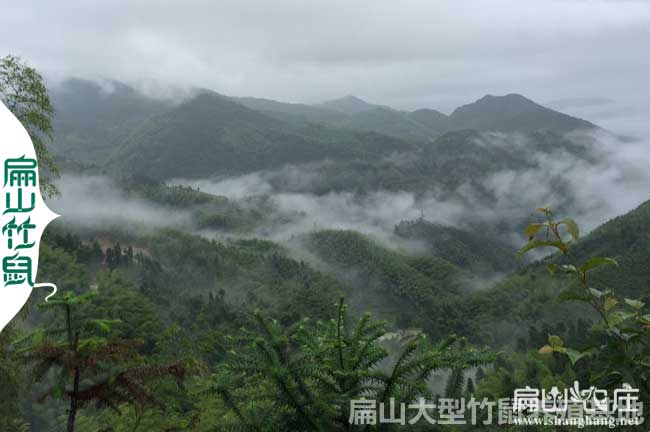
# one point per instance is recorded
(211, 134)
(528, 297)
(116, 123)
(91, 118)
(510, 113)
(409, 291)
(433, 120)
(404, 215)
(389, 122)
(349, 105)
(474, 250)
(292, 111)
(626, 239)
(344, 216)
(222, 281)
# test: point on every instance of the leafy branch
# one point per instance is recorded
(624, 323)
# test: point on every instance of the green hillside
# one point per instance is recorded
(197, 302)
(476, 251)
(531, 296)
(433, 120)
(90, 118)
(292, 111)
(211, 134)
(509, 113)
(512, 113)
(126, 131)
(184, 295)
(349, 105)
(411, 291)
(452, 160)
(241, 264)
(627, 239)
(470, 156)
(388, 122)
(528, 297)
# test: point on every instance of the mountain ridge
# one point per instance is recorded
(349, 104)
(212, 133)
(223, 134)
(512, 112)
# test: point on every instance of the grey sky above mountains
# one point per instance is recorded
(406, 54)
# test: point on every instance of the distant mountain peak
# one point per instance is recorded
(209, 108)
(206, 95)
(349, 104)
(353, 98)
(512, 112)
(510, 99)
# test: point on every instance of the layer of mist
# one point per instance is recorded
(612, 180)
(98, 203)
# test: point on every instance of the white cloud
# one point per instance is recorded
(408, 54)
(97, 202)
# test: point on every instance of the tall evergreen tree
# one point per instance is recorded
(93, 367)
(303, 377)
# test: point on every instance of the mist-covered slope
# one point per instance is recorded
(470, 176)
(471, 250)
(389, 122)
(292, 111)
(349, 105)
(409, 290)
(509, 113)
(213, 135)
(90, 119)
(625, 238)
(115, 123)
(512, 113)
(433, 120)
(530, 296)
(444, 282)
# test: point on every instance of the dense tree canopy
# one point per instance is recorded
(22, 90)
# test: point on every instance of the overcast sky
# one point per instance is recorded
(406, 54)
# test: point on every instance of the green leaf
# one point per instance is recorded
(575, 355)
(532, 229)
(610, 302)
(572, 227)
(598, 294)
(555, 341)
(636, 304)
(619, 316)
(598, 262)
(103, 325)
(543, 243)
(552, 268)
(569, 268)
